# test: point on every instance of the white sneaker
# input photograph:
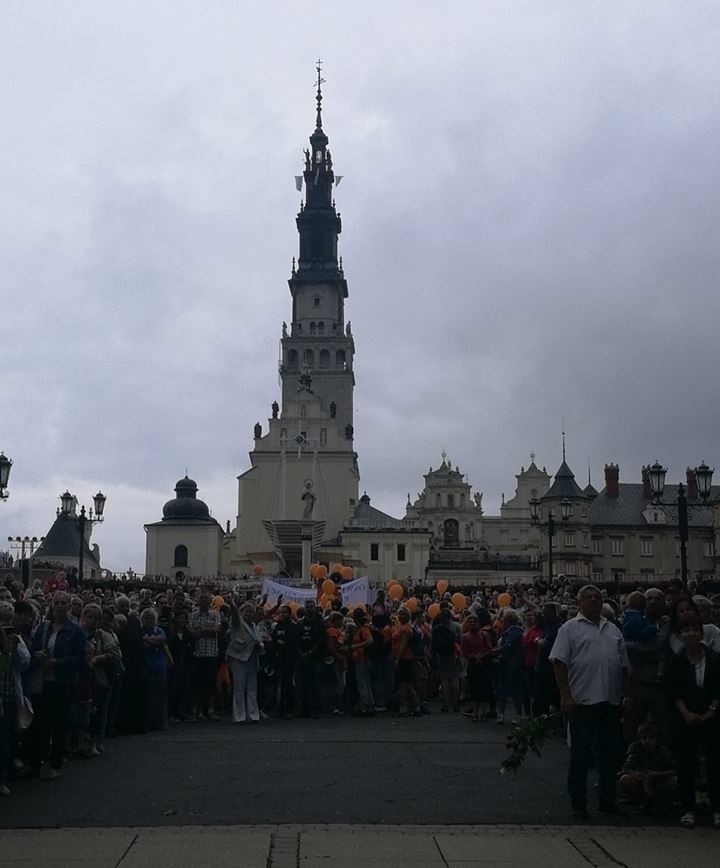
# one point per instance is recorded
(688, 820)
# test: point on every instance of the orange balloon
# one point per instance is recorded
(293, 606)
(328, 587)
(391, 582)
(458, 601)
(411, 604)
(434, 610)
(337, 568)
(257, 570)
(313, 570)
(442, 586)
(322, 571)
(504, 600)
(395, 592)
(346, 572)
(218, 601)
(325, 600)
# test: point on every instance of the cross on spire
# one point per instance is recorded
(318, 97)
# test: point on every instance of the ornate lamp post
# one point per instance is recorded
(703, 475)
(5, 465)
(67, 502)
(566, 510)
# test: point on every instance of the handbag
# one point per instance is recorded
(24, 715)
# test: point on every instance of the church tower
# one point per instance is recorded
(319, 340)
(309, 442)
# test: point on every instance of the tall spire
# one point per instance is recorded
(563, 438)
(318, 96)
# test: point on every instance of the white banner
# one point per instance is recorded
(296, 595)
(357, 591)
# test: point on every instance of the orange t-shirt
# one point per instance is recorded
(337, 634)
(362, 634)
(397, 640)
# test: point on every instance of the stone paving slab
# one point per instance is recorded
(379, 847)
(97, 846)
(509, 847)
(187, 848)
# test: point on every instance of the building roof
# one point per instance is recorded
(366, 517)
(564, 484)
(63, 540)
(627, 508)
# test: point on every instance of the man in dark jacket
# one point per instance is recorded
(312, 646)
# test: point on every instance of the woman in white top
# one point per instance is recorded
(243, 650)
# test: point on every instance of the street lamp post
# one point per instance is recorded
(5, 465)
(566, 509)
(703, 475)
(67, 501)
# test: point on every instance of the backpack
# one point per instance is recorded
(443, 640)
(417, 642)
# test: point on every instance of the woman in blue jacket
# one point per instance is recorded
(57, 652)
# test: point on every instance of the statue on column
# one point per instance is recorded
(308, 498)
(275, 407)
(257, 430)
(333, 409)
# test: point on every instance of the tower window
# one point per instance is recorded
(374, 552)
(293, 358)
(451, 500)
(180, 558)
(321, 328)
(401, 551)
(324, 359)
(340, 359)
(309, 358)
(313, 328)
(316, 301)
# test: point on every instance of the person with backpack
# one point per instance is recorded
(382, 665)
(445, 640)
(406, 642)
(477, 649)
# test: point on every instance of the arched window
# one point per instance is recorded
(451, 533)
(340, 359)
(324, 359)
(293, 358)
(309, 358)
(321, 328)
(313, 328)
(181, 556)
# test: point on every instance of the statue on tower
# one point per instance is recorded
(333, 409)
(349, 432)
(257, 430)
(275, 407)
(284, 329)
(308, 498)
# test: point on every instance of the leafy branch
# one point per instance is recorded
(529, 736)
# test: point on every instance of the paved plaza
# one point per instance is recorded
(309, 794)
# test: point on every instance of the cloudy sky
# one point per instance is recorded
(530, 211)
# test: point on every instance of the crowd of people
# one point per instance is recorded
(79, 666)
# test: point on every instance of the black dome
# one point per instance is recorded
(186, 504)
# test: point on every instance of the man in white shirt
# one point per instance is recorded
(591, 671)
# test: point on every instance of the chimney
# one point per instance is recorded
(692, 486)
(647, 490)
(612, 480)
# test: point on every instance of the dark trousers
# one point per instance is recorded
(686, 741)
(47, 732)
(310, 688)
(7, 738)
(594, 730)
(286, 701)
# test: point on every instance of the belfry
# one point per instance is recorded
(305, 465)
